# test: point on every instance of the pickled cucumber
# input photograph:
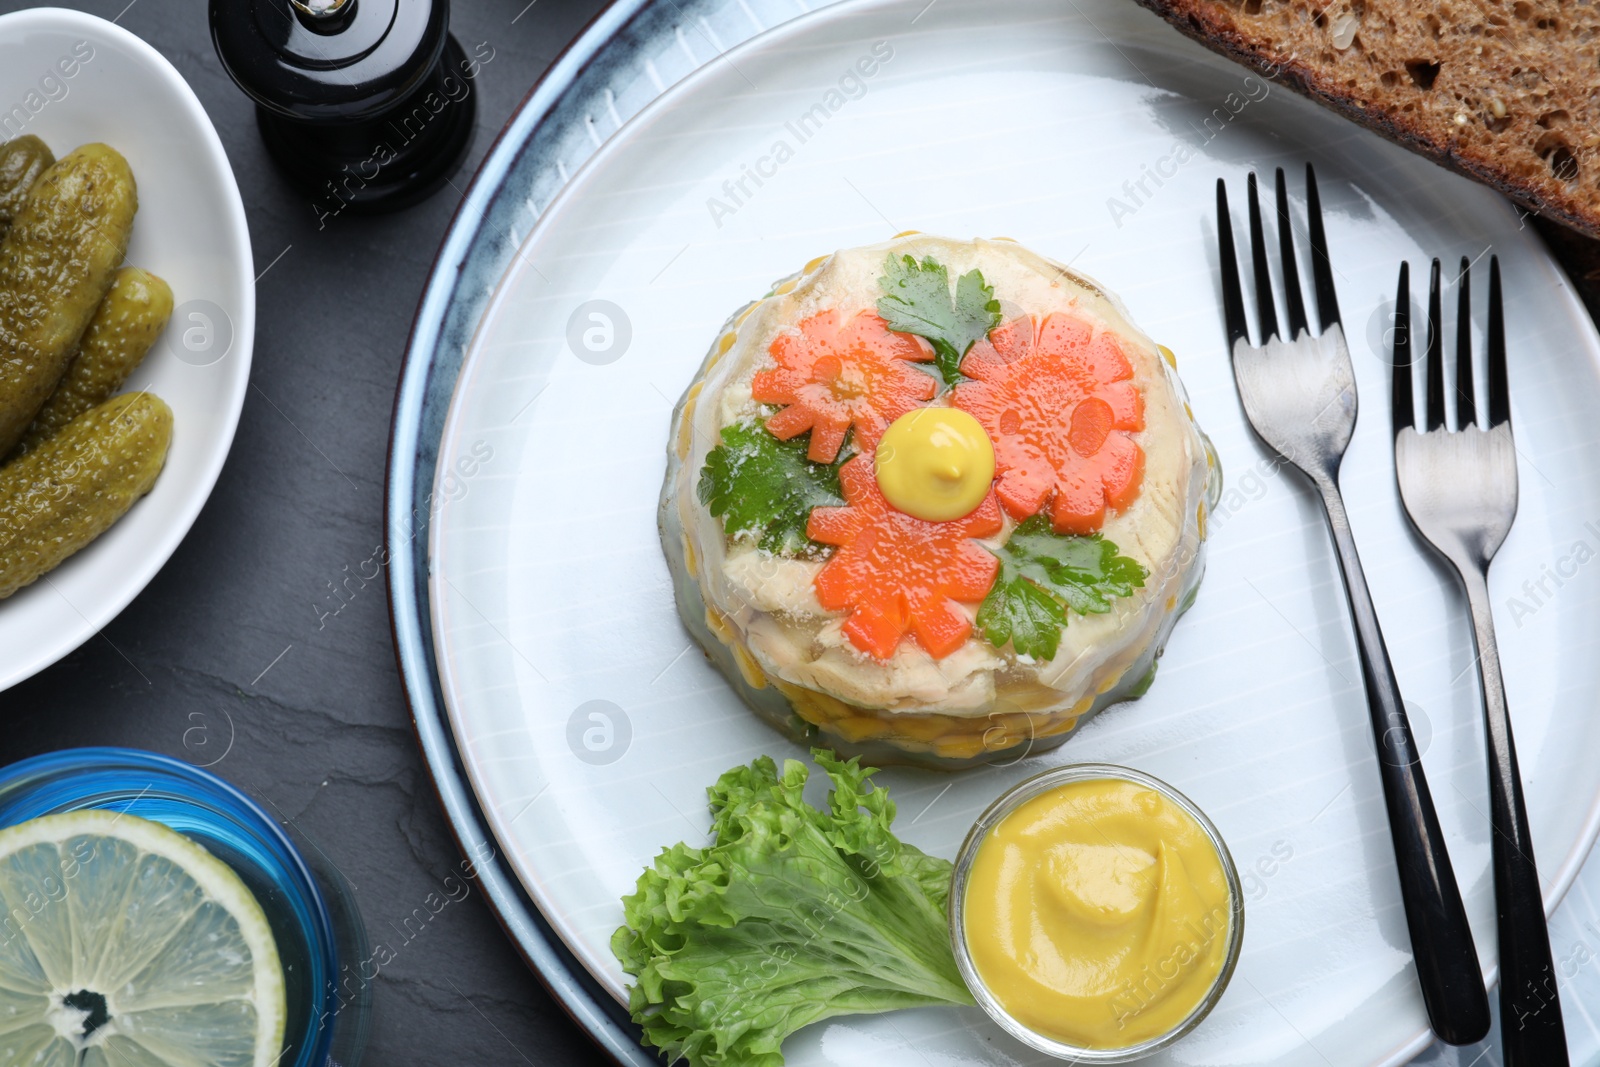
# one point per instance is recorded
(56, 266)
(70, 489)
(21, 163)
(130, 319)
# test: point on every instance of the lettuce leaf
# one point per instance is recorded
(791, 915)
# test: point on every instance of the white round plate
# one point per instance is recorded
(589, 724)
(191, 231)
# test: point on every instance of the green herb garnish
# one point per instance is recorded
(1042, 574)
(917, 300)
(791, 915)
(763, 487)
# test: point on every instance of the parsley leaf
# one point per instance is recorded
(1019, 611)
(917, 300)
(1042, 574)
(763, 487)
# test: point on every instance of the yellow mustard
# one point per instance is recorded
(1098, 913)
(935, 463)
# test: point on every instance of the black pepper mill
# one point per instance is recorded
(365, 105)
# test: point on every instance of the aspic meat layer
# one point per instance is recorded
(802, 662)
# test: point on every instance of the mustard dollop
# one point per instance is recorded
(935, 463)
(1098, 913)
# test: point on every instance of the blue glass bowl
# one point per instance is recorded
(327, 1019)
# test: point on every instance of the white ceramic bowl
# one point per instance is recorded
(71, 79)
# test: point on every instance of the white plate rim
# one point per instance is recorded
(1566, 872)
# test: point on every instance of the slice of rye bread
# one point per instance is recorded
(1506, 93)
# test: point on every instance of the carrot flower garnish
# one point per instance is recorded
(833, 375)
(1058, 400)
(895, 573)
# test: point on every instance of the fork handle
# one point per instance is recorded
(1532, 1034)
(1441, 939)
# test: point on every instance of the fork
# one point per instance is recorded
(1459, 487)
(1299, 394)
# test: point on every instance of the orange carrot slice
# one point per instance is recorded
(895, 573)
(833, 375)
(1059, 403)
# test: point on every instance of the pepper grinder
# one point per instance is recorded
(365, 105)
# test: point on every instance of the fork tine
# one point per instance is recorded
(1499, 392)
(1402, 408)
(1434, 416)
(1321, 267)
(1232, 298)
(1265, 310)
(1466, 409)
(1291, 276)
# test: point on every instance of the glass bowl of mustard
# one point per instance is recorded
(1096, 913)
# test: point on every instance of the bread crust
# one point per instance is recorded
(1212, 24)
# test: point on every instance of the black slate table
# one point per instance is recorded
(241, 638)
(261, 647)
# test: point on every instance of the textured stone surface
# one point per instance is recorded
(324, 736)
(229, 655)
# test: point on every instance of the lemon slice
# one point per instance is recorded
(126, 944)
